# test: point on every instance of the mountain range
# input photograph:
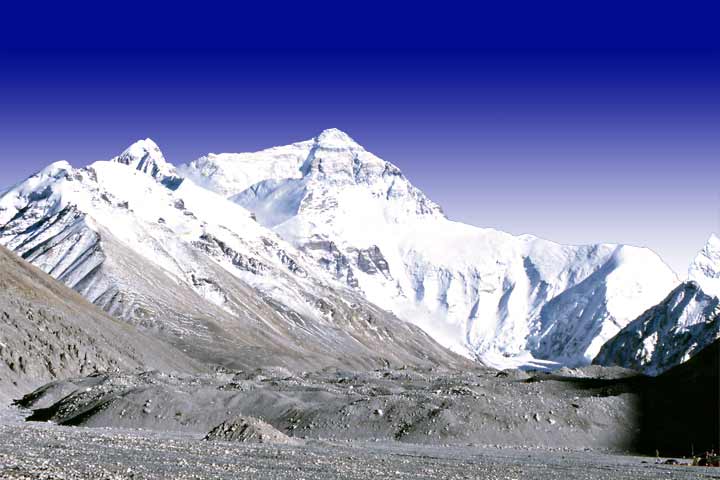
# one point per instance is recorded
(321, 253)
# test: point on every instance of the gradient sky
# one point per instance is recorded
(574, 145)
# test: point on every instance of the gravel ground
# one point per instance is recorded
(411, 406)
(47, 451)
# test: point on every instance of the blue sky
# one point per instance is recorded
(575, 145)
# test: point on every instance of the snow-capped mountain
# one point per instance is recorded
(666, 335)
(196, 269)
(684, 323)
(507, 300)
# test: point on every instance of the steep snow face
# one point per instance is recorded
(146, 157)
(666, 335)
(196, 268)
(509, 301)
(705, 269)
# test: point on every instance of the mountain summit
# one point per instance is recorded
(328, 173)
(145, 156)
(334, 138)
(705, 269)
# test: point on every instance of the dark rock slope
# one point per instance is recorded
(49, 332)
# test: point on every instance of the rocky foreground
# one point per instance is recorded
(47, 451)
(407, 405)
(593, 407)
(385, 423)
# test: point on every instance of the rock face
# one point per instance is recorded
(196, 270)
(507, 300)
(248, 430)
(684, 323)
(48, 332)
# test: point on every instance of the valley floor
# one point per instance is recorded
(47, 451)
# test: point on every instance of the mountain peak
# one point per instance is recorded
(335, 138)
(145, 156)
(713, 243)
(705, 269)
(54, 168)
(147, 143)
(711, 251)
(141, 150)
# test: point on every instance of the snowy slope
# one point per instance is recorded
(196, 269)
(507, 300)
(684, 323)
